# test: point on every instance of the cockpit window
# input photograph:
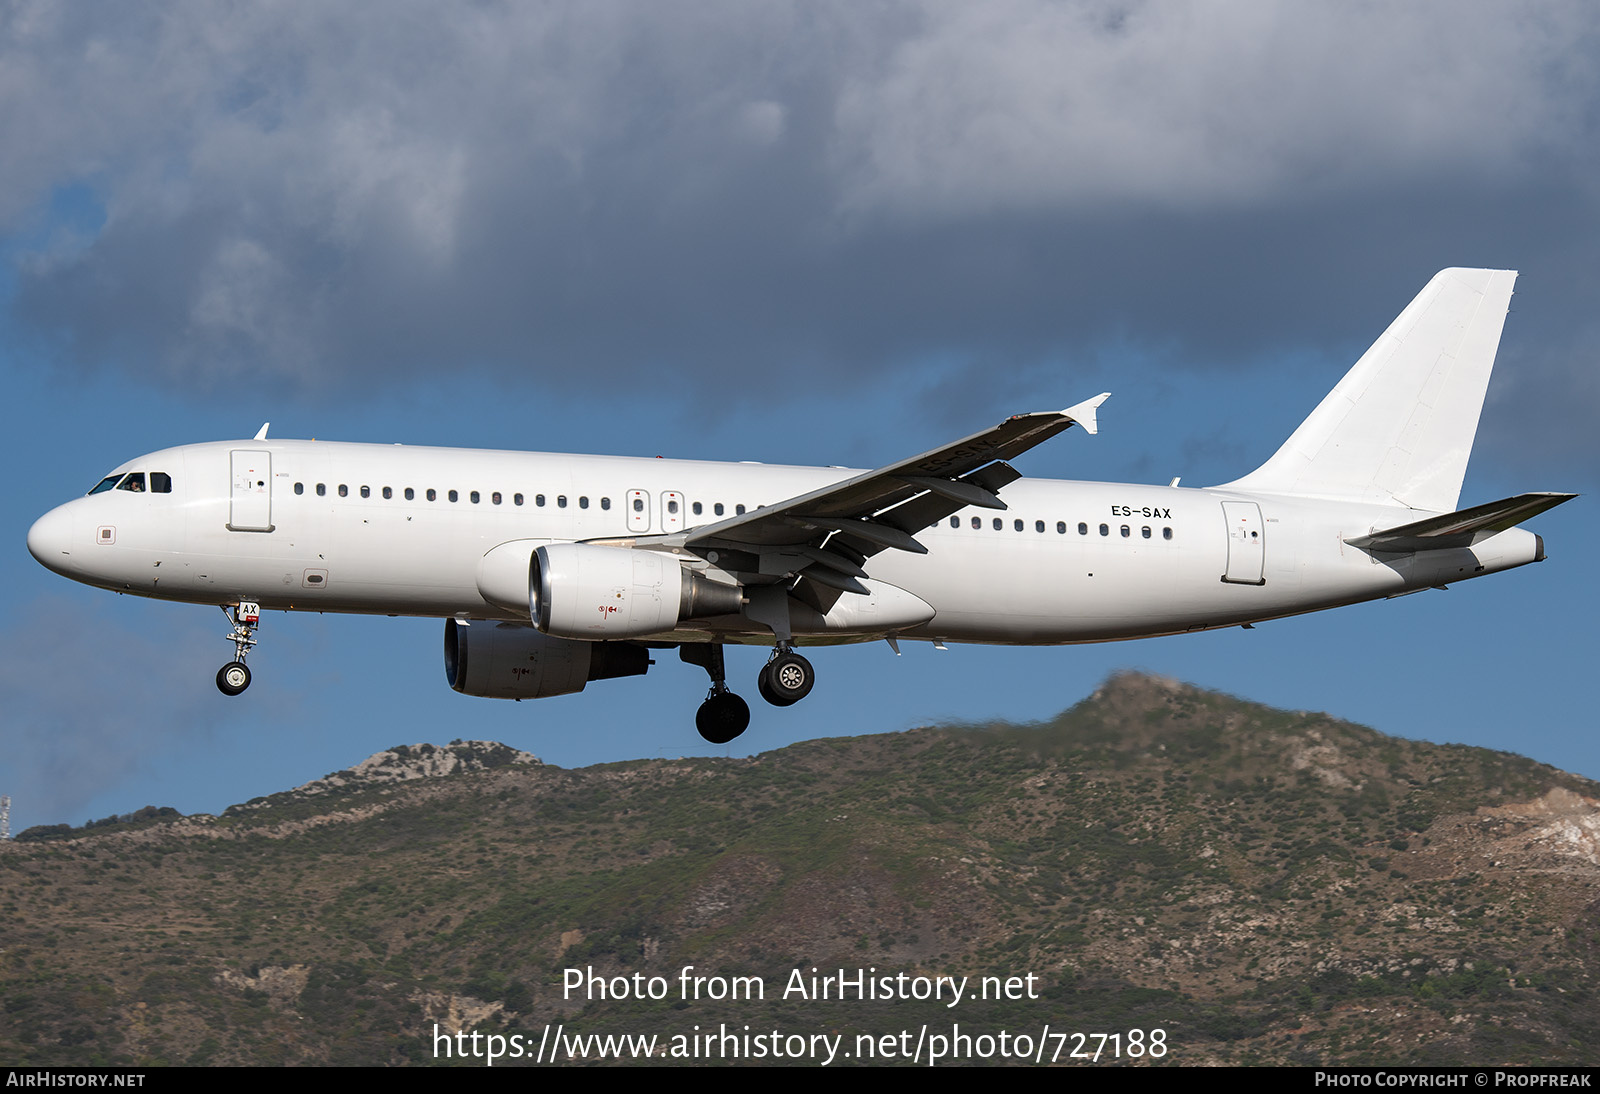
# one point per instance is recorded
(134, 482)
(105, 484)
(160, 482)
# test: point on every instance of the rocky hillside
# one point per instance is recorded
(1261, 885)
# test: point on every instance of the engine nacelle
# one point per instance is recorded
(583, 591)
(510, 661)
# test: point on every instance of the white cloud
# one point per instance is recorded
(303, 190)
(1024, 104)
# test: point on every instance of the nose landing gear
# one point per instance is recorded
(234, 677)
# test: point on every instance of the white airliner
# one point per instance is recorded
(554, 570)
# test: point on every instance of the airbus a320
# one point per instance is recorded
(552, 571)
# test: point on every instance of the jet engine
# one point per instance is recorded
(588, 592)
(511, 661)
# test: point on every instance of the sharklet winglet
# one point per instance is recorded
(1083, 413)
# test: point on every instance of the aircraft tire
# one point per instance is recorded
(722, 717)
(764, 686)
(786, 679)
(233, 678)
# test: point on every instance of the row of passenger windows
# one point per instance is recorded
(134, 482)
(561, 500)
(474, 496)
(1145, 532)
(495, 497)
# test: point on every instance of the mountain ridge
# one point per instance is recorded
(1265, 885)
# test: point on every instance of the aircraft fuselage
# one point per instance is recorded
(400, 530)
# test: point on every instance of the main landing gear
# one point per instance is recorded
(234, 677)
(786, 679)
(723, 716)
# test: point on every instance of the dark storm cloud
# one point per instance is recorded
(728, 193)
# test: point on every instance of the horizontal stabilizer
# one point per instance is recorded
(1461, 529)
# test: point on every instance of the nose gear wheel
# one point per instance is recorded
(234, 677)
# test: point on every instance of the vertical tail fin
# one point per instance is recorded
(1398, 428)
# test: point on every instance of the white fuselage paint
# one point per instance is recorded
(425, 558)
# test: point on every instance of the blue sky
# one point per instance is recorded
(799, 233)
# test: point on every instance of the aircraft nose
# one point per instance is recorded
(49, 540)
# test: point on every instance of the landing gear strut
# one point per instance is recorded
(234, 677)
(786, 678)
(723, 716)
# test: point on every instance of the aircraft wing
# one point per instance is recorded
(1460, 529)
(834, 529)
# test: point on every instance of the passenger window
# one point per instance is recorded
(495, 497)
(955, 522)
(583, 501)
(105, 484)
(322, 489)
(453, 496)
(672, 507)
(1124, 531)
(561, 501)
(516, 499)
(366, 491)
(605, 503)
(344, 491)
(1145, 531)
(433, 495)
(998, 524)
(738, 510)
(717, 509)
(977, 522)
(160, 482)
(1017, 524)
(1105, 530)
(1083, 529)
(1038, 526)
(638, 505)
(134, 482)
(1166, 533)
(698, 508)
(538, 499)
(411, 495)
(474, 497)
(388, 493)
(299, 488)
